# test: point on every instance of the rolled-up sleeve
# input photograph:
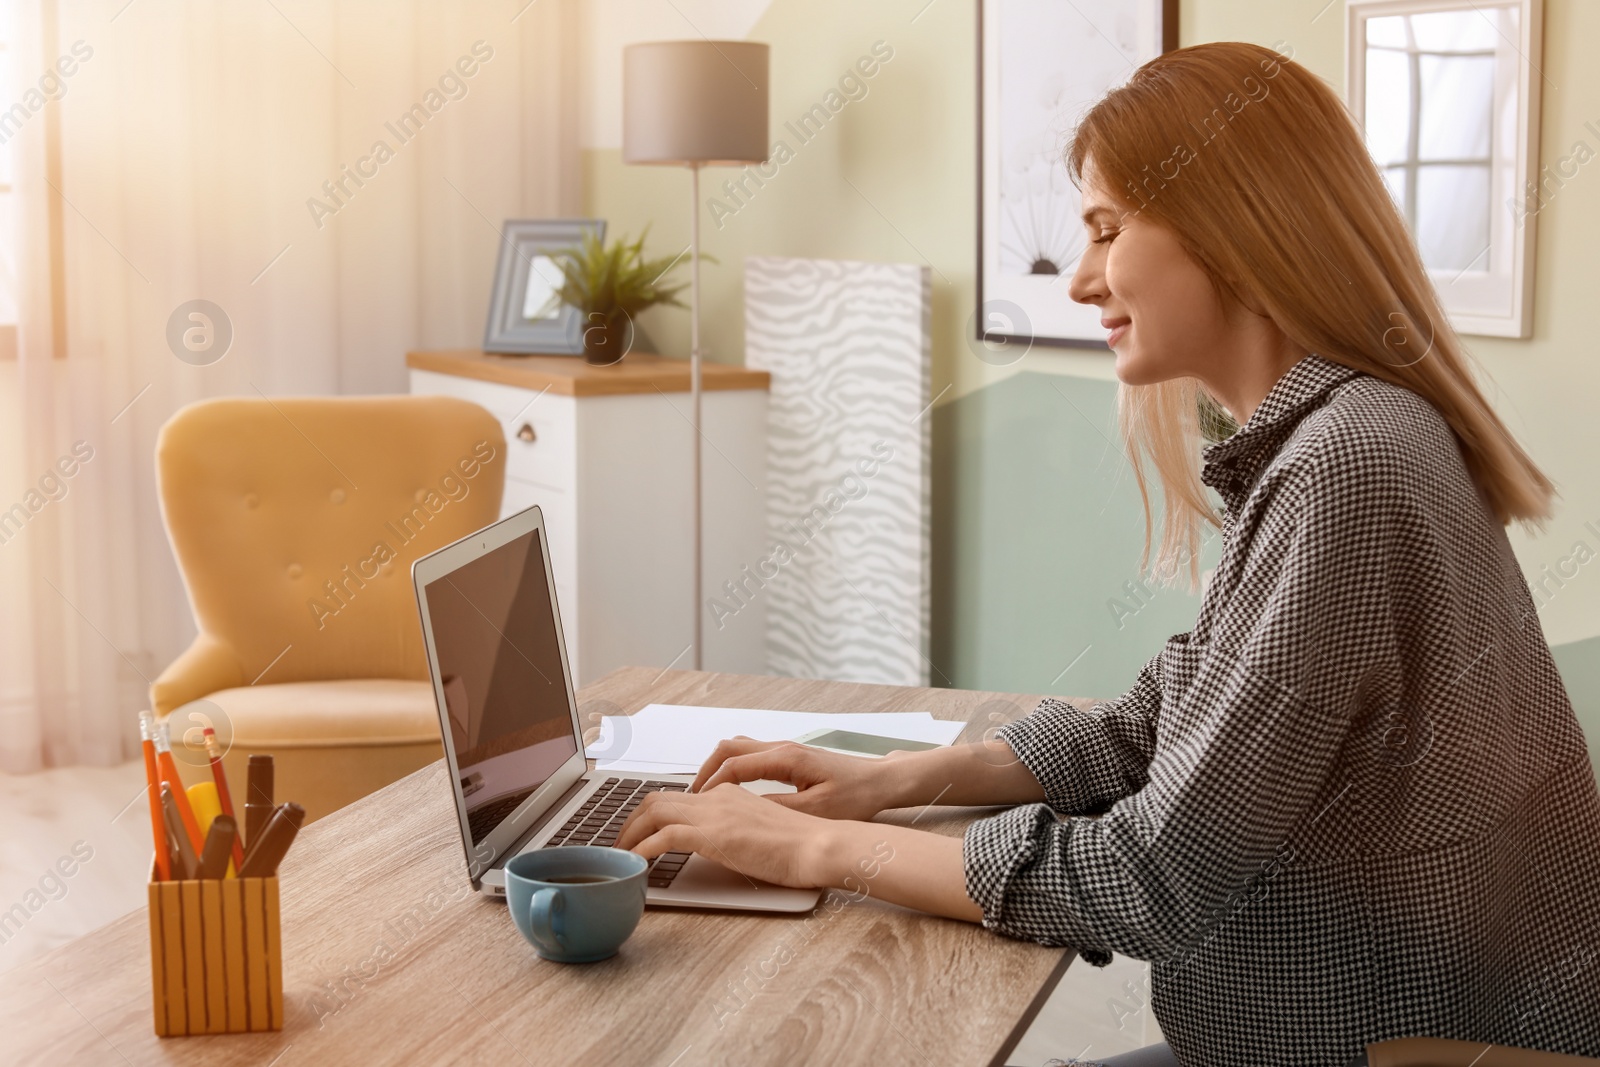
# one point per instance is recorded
(1088, 758)
(1002, 857)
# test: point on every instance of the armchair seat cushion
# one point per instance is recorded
(344, 713)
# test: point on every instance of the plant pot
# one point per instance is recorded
(607, 337)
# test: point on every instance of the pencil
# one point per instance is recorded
(214, 751)
(169, 774)
(152, 779)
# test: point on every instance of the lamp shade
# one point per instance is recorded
(688, 102)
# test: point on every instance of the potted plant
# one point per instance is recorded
(609, 285)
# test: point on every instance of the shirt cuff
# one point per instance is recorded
(995, 852)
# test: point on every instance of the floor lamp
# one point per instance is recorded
(689, 104)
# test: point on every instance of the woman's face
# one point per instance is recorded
(1164, 317)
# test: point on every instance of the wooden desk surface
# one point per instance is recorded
(638, 372)
(390, 958)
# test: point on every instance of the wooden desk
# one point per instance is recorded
(389, 958)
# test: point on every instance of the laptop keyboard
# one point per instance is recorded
(599, 819)
(481, 820)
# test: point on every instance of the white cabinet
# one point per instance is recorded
(606, 454)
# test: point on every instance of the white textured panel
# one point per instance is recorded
(847, 575)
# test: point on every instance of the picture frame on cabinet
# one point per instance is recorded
(525, 314)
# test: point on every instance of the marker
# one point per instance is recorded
(158, 824)
(268, 850)
(169, 775)
(214, 752)
(257, 800)
(219, 847)
(207, 807)
(203, 802)
(188, 859)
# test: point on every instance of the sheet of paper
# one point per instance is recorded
(678, 738)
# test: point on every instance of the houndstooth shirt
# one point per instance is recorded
(1353, 803)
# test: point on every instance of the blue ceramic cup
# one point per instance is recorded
(579, 904)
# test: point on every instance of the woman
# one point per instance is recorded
(1354, 802)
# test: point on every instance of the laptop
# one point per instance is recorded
(512, 740)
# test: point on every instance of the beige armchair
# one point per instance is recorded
(295, 523)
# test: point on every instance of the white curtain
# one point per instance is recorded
(179, 152)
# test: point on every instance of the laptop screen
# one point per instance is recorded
(494, 630)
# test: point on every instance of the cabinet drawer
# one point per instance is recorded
(540, 428)
(503, 401)
(541, 443)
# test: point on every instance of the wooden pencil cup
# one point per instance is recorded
(216, 961)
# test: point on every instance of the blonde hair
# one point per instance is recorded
(1261, 173)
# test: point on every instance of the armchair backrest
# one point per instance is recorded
(295, 522)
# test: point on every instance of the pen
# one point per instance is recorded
(179, 872)
(214, 751)
(268, 849)
(169, 843)
(219, 847)
(158, 824)
(187, 859)
(257, 799)
(169, 775)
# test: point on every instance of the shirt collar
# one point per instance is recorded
(1232, 465)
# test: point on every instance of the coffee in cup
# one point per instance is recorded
(577, 904)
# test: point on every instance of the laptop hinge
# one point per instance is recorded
(540, 823)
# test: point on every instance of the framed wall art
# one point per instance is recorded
(1041, 64)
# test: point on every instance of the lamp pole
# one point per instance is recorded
(692, 103)
(694, 392)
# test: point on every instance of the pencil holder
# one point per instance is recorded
(216, 961)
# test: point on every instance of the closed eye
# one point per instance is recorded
(1104, 239)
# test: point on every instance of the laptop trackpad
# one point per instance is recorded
(707, 884)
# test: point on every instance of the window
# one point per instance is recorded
(1431, 125)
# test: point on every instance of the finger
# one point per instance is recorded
(726, 750)
(650, 816)
(780, 763)
(675, 838)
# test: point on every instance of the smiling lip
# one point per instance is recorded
(1118, 327)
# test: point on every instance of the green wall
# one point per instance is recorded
(1036, 521)
(1038, 535)
(1579, 664)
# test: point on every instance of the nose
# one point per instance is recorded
(1088, 284)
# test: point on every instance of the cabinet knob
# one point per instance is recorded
(525, 433)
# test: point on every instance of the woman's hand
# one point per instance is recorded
(739, 829)
(750, 834)
(829, 784)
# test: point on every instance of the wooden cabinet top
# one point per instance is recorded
(638, 373)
